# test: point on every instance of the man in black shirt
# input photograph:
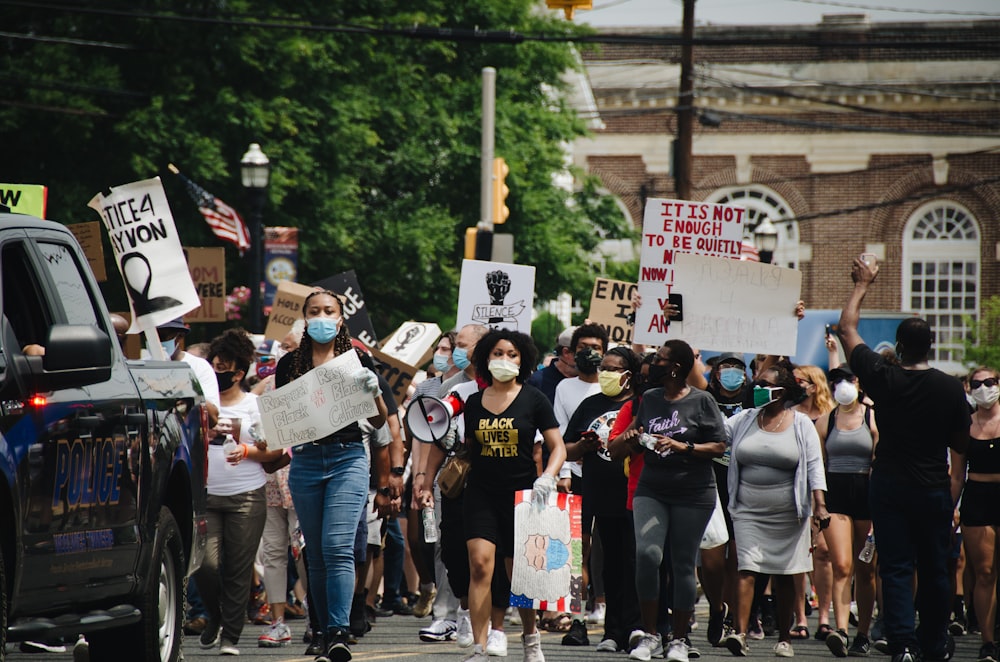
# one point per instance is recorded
(920, 412)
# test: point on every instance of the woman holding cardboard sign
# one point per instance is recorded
(328, 477)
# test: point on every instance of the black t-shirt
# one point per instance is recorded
(917, 412)
(501, 446)
(546, 380)
(734, 404)
(605, 486)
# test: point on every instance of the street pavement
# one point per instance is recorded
(395, 638)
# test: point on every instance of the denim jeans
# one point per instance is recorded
(912, 528)
(329, 486)
(394, 556)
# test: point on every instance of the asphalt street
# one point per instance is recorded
(396, 638)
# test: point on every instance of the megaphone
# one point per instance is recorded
(429, 419)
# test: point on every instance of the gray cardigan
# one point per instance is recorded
(808, 478)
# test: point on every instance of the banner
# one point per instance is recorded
(548, 555)
(737, 306)
(207, 267)
(25, 198)
(89, 236)
(610, 306)
(671, 228)
(396, 372)
(355, 311)
(148, 252)
(315, 405)
(281, 259)
(496, 294)
(412, 342)
(286, 309)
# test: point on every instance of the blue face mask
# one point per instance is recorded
(441, 363)
(169, 347)
(323, 329)
(731, 378)
(460, 358)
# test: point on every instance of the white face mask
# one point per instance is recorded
(845, 393)
(986, 396)
(504, 370)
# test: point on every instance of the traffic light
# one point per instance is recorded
(569, 6)
(478, 244)
(500, 191)
(470, 243)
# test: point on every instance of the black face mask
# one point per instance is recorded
(658, 373)
(588, 360)
(225, 379)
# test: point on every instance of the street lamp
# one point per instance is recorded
(766, 237)
(255, 171)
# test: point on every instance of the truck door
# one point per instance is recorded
(79, 525)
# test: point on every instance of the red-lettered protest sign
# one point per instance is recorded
(669, 228)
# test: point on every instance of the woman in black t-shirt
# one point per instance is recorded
(501, 423)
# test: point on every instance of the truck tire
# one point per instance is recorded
(157, 637)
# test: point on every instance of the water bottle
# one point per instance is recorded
(228, 448)
(430, 525)
(868, 551)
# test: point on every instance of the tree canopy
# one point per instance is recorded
(374, 135)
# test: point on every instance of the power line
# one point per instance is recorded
(59, 109)
(901, 10)
(67, 41)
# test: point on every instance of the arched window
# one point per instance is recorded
(759, 202)
(941, 274)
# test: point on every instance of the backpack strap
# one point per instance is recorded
(831, 422)
(868, 417)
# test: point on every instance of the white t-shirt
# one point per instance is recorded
(226, 479)
(206, 376)
(570, 393)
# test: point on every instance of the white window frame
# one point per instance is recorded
(761, 201)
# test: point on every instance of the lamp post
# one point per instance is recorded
(766, 238)
(255, 171)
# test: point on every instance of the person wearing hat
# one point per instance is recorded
(563, 366)
(172, 335)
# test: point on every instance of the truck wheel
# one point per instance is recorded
(158, 634)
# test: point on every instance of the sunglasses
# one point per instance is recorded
(989, 382)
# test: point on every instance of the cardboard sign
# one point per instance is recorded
(610, 306)
(89, 236)
(286, 309)
(25, 198)
(671, 228)
(396, 372)
(207, 267)
(148, 252)
(412, 342)
(315, 405)
(737, 306)
(355, 311)
(496, 294)
(548, 555)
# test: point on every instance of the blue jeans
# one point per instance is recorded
(329, 486)
(912, 529)
(394, 556)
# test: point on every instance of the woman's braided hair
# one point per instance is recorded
(302, 357)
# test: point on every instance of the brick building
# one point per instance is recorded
(849, 136)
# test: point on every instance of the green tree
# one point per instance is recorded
(982, 346)
(374, 136)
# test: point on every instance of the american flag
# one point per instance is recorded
(748, 252)
(225, 222)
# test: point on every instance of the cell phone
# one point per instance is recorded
(677, 300)
(829, 331)
(870, 259)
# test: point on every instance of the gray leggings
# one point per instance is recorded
(679, 526)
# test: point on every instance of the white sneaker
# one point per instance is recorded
(677, 650)
(608, 646)
(275, 636)
(532, 647)
(597, 615)
(477, 655)
(514, 616)
(783, 649)
(650, 646)
(463, 633)
(634, 637)
(228, 648)
(496, 643)
(439, 630)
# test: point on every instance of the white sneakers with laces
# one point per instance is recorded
(496, 643)
(677, 650)
(648, 647)
(463, 633)
(275, 636)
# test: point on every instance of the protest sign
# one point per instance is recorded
(148, 252)
(89, 236)
(315, 405)
(355, 311)
(610, 306)
(281, 257)
(496, 294)
(25, 198)
(737, 306)
(548, 554)
(286, 309)
(396, 372)
(207, 267)
(671, 228)
(412, 342)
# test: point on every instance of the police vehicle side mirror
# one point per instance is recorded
(75, 355)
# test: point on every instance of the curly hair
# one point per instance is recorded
(302, 356)
(233, 346)
(785, 378)
(525, 347)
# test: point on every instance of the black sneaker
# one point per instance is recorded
(402, 609)
(716, 622)
(209, 637)
(338, 651)
(577, 635)
(358, 621)
(907, 656)
(861, 647)
(767, 619)
(988, 652)
(837, 643)
(946, 654)
(693, 653)
(317, 644)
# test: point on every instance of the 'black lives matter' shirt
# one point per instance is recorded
(501, 446)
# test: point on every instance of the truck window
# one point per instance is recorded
(24, 303)
(70, 284)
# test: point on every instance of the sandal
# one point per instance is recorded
(557, 623)
(823, 631)
(799, 632)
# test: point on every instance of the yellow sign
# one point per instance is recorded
(24, 198)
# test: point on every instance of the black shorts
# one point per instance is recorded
(979, 504)
(489, 515)
(847, 494)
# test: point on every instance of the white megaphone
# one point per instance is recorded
(429, 419)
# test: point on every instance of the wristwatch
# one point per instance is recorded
(690, 448)
(384, 491)
(397, 471)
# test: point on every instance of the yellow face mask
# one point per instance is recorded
(611, 382)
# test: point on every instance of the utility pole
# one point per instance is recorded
(685, 107)
(484, 235)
